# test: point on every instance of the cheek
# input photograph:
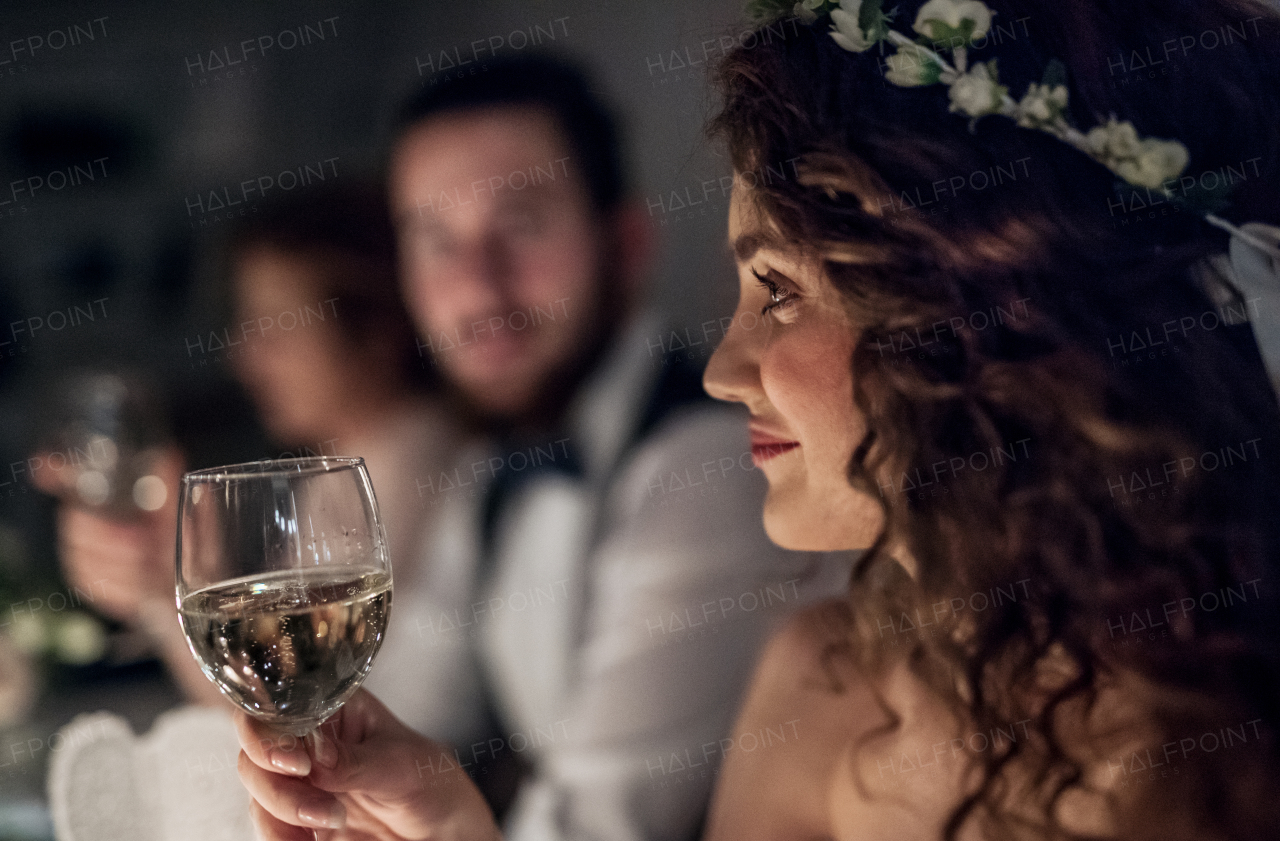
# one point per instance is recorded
(808, 379)
(431, 304)
(302, 360)
(560, 270)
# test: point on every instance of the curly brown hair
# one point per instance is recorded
(1076, 335)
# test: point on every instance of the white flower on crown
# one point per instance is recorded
(978, 93)
(941, 20)
(1143, 163)
(1114, 141)
(1156, 162)
(912, 65)
(847, 32)
(1042, 105)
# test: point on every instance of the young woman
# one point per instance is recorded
(1028, 387)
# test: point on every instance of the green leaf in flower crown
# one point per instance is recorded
(945, 37)
(1202, 200)
(761, 11)
(1055, 74)
(873, 20)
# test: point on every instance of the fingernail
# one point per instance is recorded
(331, 815)
(295, 762)
(326, 752)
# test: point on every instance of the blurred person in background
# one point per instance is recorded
(318, 336)
(602, 583)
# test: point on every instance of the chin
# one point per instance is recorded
(492, 406)
(803, 527)
(789, 531)
(501, 400)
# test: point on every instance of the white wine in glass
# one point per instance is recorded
(284, 584)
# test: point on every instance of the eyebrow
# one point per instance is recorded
(745, 246)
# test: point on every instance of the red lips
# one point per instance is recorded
(765, 446)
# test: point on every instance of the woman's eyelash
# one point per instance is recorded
(779, 295)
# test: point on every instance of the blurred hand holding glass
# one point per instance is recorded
(104, 433)
(284, 584)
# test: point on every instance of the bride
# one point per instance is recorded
(1001, 352)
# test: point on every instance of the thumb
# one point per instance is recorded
(368, 753)
(388, 761)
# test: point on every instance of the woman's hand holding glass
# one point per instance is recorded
(364, 773)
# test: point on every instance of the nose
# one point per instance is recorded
(485, 276)
(733, 374)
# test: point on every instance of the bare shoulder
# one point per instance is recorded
(805, 706)
(811, 648)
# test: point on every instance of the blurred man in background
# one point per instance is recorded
(600, 583)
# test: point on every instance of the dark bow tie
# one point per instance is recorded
(516, 465)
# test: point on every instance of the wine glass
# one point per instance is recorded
(284, 584)
(104, 433)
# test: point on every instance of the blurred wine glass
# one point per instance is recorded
(283, 584)
(102, 438)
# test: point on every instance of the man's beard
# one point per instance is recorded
(559, 386)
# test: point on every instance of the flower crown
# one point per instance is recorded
(858, 25)
(975, 91)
